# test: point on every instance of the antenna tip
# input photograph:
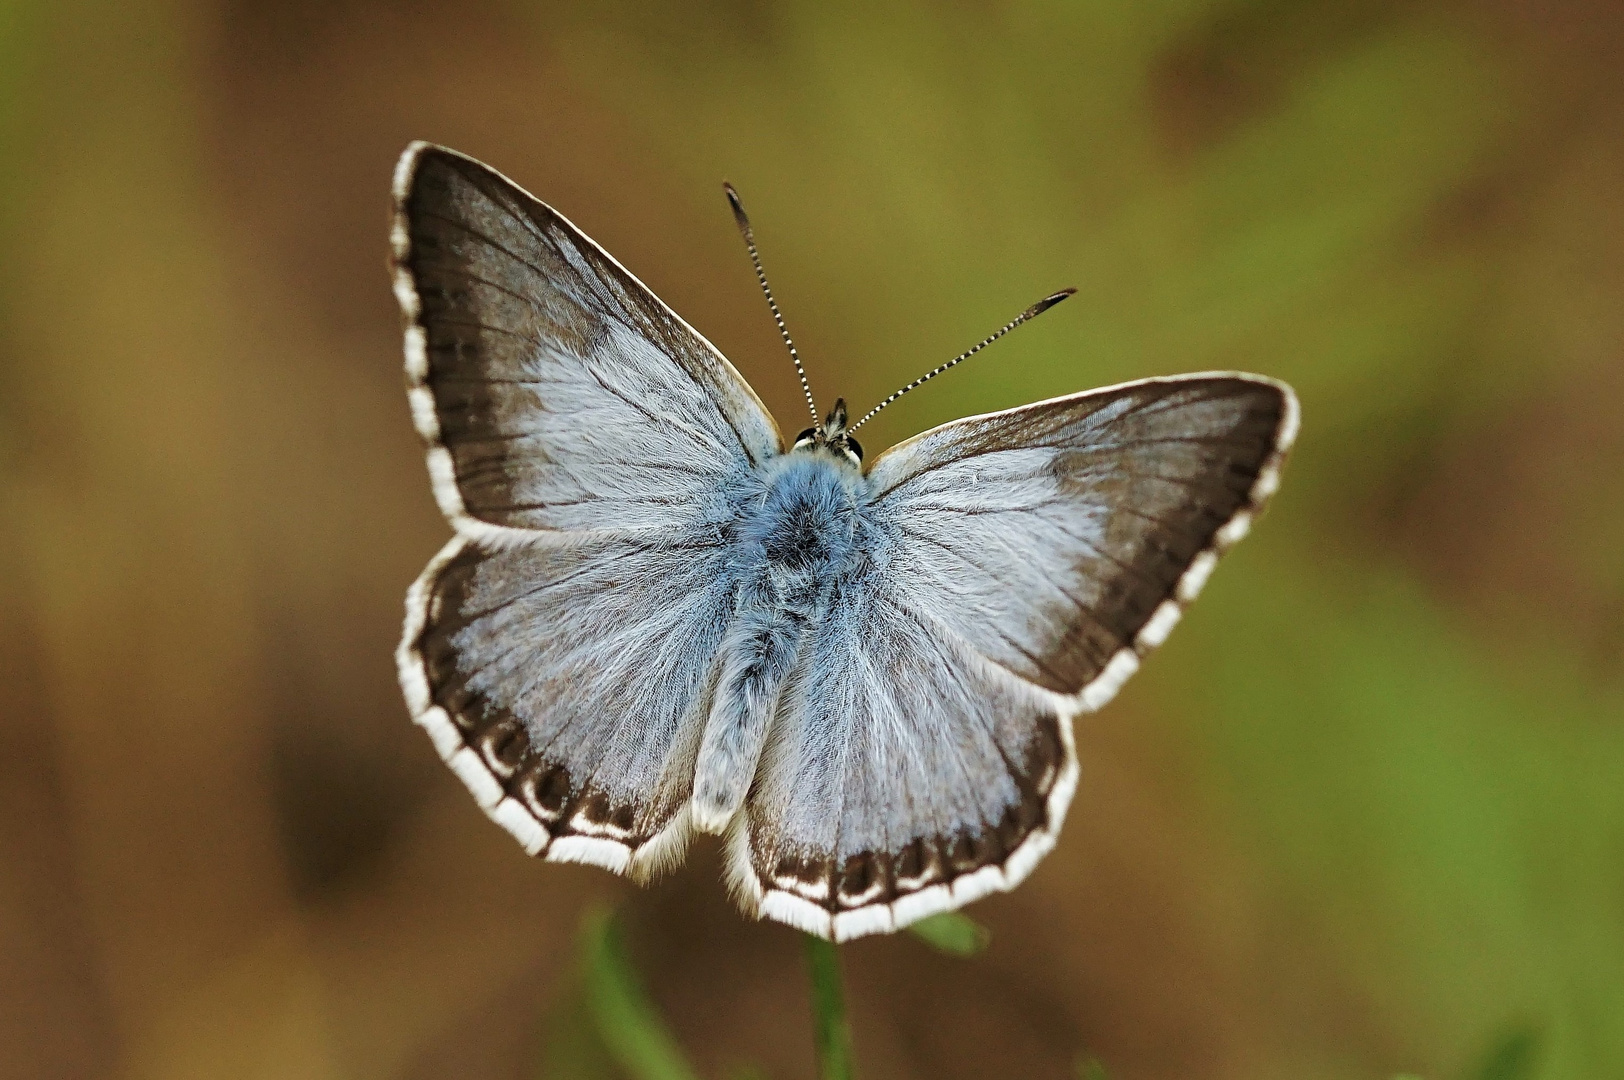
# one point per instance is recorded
(1050, 301)
(737, 205)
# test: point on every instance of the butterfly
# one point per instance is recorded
(656, 618)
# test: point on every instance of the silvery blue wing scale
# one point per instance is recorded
(656, 619)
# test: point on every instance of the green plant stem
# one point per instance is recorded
(831, 1035)
(627, 1021)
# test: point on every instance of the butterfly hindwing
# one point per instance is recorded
(906, 775)
(923, 755)
(566, 681)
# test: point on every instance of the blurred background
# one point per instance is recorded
(1364, 814)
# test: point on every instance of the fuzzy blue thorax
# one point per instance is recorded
(808, 518)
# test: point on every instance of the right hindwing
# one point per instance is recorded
(905, 775)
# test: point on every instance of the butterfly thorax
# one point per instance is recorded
(808, 519)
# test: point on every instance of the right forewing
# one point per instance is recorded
(1062, 540)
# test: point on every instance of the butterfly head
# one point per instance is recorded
(831, 437)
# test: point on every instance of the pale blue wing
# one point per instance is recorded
(1024, 562)
(1061, 540)
(904, 776)
(566, 681)
(553, 389)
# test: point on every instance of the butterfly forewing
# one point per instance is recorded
(554, 390)
(1062, 537)
(1029, 559)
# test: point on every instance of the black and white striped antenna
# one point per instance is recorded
(761, 276)
(1030, 313)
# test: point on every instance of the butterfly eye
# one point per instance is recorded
(843, 444)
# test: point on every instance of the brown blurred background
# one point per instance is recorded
(1363, 815)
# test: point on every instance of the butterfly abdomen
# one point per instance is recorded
(793, 542)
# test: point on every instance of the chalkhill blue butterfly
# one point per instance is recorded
(655, 618)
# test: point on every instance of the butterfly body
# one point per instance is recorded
(805, 534)
(656, 618)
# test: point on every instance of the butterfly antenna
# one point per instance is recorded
(1030, 313)
(761, 276)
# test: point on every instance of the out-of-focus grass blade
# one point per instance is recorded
(627, 1021)
(1514, 1056)
(571, 1048)
(1089, 1068)
(830, 1033)
(952, 932)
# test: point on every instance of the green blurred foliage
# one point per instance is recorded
(1514, 1057)
(1090, 1069)
(952, 932)
(622, 1024)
